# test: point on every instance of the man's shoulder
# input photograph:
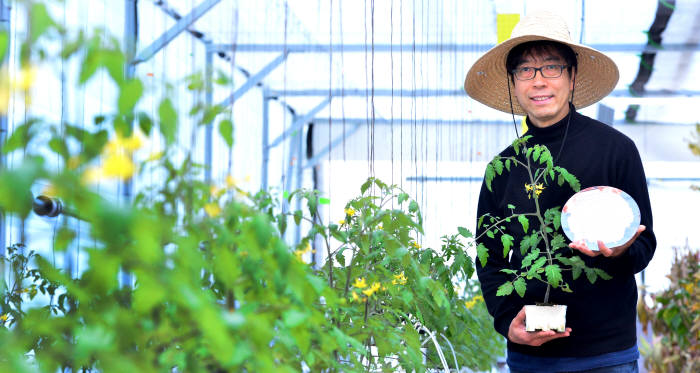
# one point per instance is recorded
(602, 131)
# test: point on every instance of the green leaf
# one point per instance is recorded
(294, 317)
(507, 241)
(602, 274)
(464, 232)
(490, 234)
(129, 94)
(39, 20)
(505, 289)
(324, 201)
(226, 131)
(58, 145)
(511, 207)
(524, 222)
(365, 185)
(592, 276)
(553, 273)
(558, 242)
(527, 261)
(498, 166)
(488, 177)
(538, 264)
(20, 137)
(520, 286)
(297, 216)
(402, 197)
(145, 123)
(4, 43)
(168, 120)
(576, 272)
(536, 153)
(508, 164)
(413, 206)
(483, 253)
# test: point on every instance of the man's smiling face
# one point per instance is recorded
(545, 100)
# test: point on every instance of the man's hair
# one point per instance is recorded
(517, 55)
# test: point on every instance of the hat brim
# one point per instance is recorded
(596, 75)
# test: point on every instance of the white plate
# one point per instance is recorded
(600, 213)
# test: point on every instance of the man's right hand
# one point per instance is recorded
(518, 334)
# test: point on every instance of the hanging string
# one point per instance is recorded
(391, 114)
(371, 161)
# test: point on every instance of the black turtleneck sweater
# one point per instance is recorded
(602, 315)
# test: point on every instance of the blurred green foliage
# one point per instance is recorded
(215, 285)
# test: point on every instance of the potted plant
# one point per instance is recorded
(542, 242)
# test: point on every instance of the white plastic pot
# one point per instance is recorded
(545, 317)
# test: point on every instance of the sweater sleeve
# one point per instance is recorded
(502, 308)
(632, 180)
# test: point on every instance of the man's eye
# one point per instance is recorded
(525, 69)
(551, 67)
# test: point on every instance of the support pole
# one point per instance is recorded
(130, 37)
(181, 25)
(298, 177)
(265, 139)
(4, 27)
(209, 100)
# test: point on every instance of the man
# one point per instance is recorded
(541, 73)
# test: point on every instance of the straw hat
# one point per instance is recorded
(486, 81)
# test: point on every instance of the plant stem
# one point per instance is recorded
(542, 226)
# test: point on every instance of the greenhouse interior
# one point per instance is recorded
(306, 186)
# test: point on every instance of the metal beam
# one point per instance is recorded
(299, 123)
(174, 31)
(409, 121)
(407, 93)
(317, 157)
(209, 127)
(253, 80)
(462, 122)
(130, 37)
(435, 48)
(362, 92)
(4, 26)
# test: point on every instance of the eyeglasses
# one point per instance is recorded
(547, 71)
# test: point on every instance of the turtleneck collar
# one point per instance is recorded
(556, 130)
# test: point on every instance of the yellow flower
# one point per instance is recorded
(216, 192)
(689, 287)
(354, 296)
(299, 253)
(212, 209)
(25, 79)
(471, 303)
(350, 211)
(360, 283)
(415, 244)
(341, 222)
(372, 289)
(399, 279)
(231, 181)
(532, 188)
(4, 317)
(118, 165)
(121, 144)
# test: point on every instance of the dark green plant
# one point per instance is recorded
(674, 318)
(541, 247)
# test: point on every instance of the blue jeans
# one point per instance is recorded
(630, 367)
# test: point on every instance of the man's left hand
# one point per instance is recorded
(604, 250)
